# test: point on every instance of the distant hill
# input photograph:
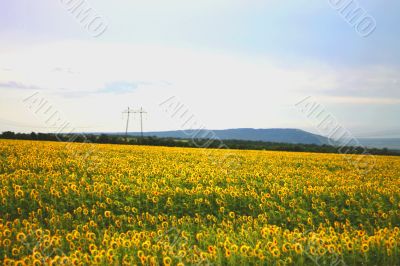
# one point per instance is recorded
(390, 143)
(281, 135)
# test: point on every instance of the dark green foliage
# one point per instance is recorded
(194, 143)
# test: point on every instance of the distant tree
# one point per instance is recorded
(8, 135)
(33, 135)
(103, 139)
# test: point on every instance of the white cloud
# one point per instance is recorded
(221, 89)
(360, 100)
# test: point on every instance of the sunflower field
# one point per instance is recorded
(86, 204)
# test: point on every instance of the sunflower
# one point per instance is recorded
(19, 194)
(349, 245)
(7, 233)
(153, 261)
(20, 263)
(298, 248)
(69, 237)
(110, 253)
(55, 260)
(126, 243)
(181, 253)
(339, 249)
(286, 247)
(312, 251)
(260, 256)
(92, 248)
(331, 249)
(203, 256)
(263, 200)
(211, 249)
(97, 259)
(234, 248)
(21, 237)
(146, 244)
(364, 247)
(37, 255)
(114, 245)
(167, 261)
(321, 250)
(244, 249)
(391, 242)
(227, 253)
(276, 253)
(46, 243)
(36, 262)
(15, 251)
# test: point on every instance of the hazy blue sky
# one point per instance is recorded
(231, 63)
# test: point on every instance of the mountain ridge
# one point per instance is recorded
(280, 135)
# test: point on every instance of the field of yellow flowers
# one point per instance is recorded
(84, 204)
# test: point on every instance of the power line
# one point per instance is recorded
(127, 120)
(141, 112)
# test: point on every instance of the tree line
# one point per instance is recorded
(193, 143)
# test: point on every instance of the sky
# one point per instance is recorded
(230, 64)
